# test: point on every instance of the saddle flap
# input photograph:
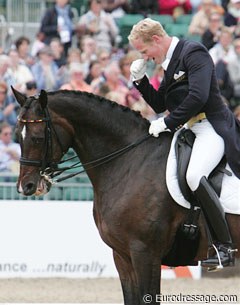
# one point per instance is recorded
(183, 149)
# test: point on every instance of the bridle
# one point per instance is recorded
(47, 159)
(49, 169)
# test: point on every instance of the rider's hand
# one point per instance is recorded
(138, 69)
(157, 127)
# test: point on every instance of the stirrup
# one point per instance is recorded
(220, 266)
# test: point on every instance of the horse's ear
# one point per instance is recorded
(43, 98)
(20, 97)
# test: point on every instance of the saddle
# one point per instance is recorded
(183, 148)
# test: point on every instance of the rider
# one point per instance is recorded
(190, 93)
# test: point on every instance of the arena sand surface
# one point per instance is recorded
(62, 290)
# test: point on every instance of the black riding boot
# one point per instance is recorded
(215, 217)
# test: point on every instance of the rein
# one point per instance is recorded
(99, 161)
(49, 169)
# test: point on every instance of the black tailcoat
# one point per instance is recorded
(190, 87)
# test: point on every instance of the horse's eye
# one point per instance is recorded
(37, 140)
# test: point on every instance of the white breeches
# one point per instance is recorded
(208, 150)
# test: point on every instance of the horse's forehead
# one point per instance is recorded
(30, 108)
(28, 112)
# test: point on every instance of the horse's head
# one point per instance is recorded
(37, 137)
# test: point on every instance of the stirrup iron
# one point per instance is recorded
(220, 265)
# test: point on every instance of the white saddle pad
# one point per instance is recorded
(230, 194)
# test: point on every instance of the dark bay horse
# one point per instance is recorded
(133, 210)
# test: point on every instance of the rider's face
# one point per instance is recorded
(152, 50)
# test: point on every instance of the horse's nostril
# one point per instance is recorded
(29, 189)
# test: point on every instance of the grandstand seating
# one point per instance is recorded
(163, 19)
(177, 27)
(184, 19)
(125, 25)
(179, 30)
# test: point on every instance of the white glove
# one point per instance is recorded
(138, 69)
(157, 127)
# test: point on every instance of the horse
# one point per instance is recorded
(133, 210)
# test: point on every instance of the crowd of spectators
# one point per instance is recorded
(96, 62)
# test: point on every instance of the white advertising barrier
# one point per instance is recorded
(52, 239)
(58, 239)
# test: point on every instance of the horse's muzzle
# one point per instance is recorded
(30, 187)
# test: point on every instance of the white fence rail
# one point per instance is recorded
(75, 189)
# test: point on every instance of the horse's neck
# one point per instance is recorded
(100, 129)
(103, 135)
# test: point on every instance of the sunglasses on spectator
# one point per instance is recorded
(31, 87)
(105, 58)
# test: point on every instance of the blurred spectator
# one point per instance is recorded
(132, 96)
(76, 79)
(31, 88)
(237, 112)
(94, 71)
(211, 36)
(5, 63)
(200, 21)
(224, 49)
(113, 82)
(144, 7)
(104, 90)
(23, 48)
(58, 23)
(19, 73)
(225, 4)
(145, 110)
(9, 151)
(233, 67)
(224, 81)
(124, 64)
(7, 105)
(157, 77)
(58, 52)
(197, 3)
(232, 15)
(173, 7)
(46, 72)
(117, 8)
(104, 58)
(89, 49)
(74, 55)
(115, 97)
(99, 24)
(38, 44)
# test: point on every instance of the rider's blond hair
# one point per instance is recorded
(145, 29)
